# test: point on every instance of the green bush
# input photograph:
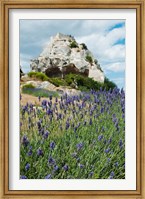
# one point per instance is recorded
(69, 78)
(58, 81)
(86, 83)
(108, 84)
(38, 75)
(28, 86)
(89, 59)
(83, 83)
(73, 45)
(84, 46)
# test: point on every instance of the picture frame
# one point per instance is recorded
(5, 6)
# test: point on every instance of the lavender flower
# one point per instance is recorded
(116, 164)
(91, 174)
(120, 144)
(48, 176)
(51, 161)
(81, 166)
(45, 135)
(27, 167)
(112, 175)
(39, 152)
(67, 125)
(56, 168)
(100, 137)
(90, 121)
(29, 152)
(65, 167)
(23, 177)
(52, 145)
(25, 140)
(79, 146)
(107, 150)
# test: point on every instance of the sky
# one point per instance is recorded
(104, 38)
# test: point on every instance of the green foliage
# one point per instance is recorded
(86, 83)
(57, 81)
(39, 92)
(83, 83)
(84, 46)
(109, 84)
(89, 59)
(73, 45)
(38, 75)
(28, 86)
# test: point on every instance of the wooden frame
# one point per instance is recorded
(5, 5)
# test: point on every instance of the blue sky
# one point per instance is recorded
(104, 38)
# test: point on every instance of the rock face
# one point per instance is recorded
(64, 55)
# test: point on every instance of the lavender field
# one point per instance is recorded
(74, 137)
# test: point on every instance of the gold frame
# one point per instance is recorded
(5, 5)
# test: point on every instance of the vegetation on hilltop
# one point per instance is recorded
(82, 83)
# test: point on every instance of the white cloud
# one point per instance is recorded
(99, 25)
(115, 67)
(102, 44)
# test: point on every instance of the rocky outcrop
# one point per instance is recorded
(64, 55)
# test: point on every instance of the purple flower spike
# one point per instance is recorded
(90, 121)
(56, 168)
(25, 140)
(51, 161)
(52, 145)
(100, 137)
(46, 134)
(29, 152)
(65, 167)
(79, 146)
(91, 174)
(112, 174)
(107, 150)
(48, 176)
(116, 164)
(39, 152)
(120, 144)
(81, 166)
(23, 177)
(27, 167)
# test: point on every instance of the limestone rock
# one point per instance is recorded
(42, 85)
(64, 55)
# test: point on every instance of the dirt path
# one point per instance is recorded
(31, 99)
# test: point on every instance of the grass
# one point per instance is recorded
(39, 92)
(38, 75)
